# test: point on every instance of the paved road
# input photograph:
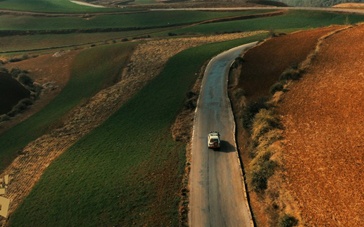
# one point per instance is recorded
(217, 194)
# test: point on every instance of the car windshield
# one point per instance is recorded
(214, 140)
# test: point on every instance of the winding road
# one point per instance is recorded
(217, 191)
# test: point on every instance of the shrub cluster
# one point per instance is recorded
(292, 73)
(264, 121)
(288, 221)
(264, 127)
(262, 170)
(251, 109)
(17, 59)
(191, 100)
(279, 86)
(22, 76)
(20, 107)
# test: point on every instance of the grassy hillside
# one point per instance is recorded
(293, 20)
(91, 71)
(50, 42)
(85, 31)
(128, 171)
(122, 21)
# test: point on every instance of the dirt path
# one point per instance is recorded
(145, 63)
(323, 117)
(87, 4)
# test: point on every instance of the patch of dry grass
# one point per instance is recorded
(350, 5)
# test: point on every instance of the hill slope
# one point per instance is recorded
(323, 119)
(11, 92)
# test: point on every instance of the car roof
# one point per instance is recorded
(214, 134)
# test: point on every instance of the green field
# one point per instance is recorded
(92, 71)
(122, 21)
(128, 171)
(34, 42)
(58, 6)
(29, 43)
(293, 20)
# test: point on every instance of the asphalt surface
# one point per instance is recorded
(217, 191)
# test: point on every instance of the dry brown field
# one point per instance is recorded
(264, 64)
(261, 68)
(350, 5)
(323, 116)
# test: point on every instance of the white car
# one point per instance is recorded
(213, 140)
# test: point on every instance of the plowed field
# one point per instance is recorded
(264, 64)
(261, 69)
(323, 115)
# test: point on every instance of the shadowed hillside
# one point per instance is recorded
(11, 92)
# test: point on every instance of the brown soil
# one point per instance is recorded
(264, 64)
(324, 120)
(145, 63)
(261, 68)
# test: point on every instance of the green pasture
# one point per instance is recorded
(31, 43)
(92, 70)
(141, 2)
(122, 21)
(52, 6)
(128, 171)
(293, 20)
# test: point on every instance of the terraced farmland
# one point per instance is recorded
(101, 152)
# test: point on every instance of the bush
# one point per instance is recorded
(288, 221)
(264, 121)
(16, 59)
(4, 117)
(292, 73)
(20, 107)
(263, 169)
(25, 79)
(16, 72)
(35, 90)
(279, 86)
(251, 110)
(191, 101)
